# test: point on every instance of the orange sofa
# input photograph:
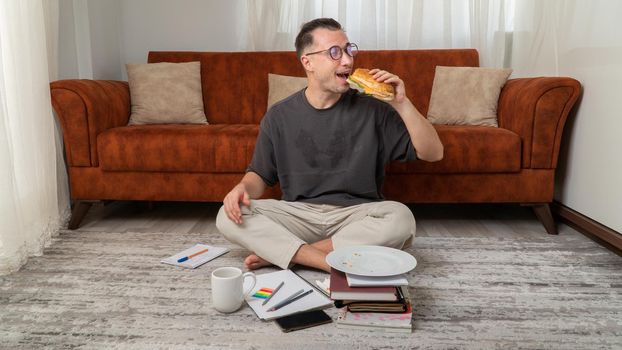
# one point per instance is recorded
(108, 160)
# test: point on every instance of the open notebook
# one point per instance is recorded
(197, 255)
(293, 283)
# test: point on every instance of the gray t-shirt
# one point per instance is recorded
(330, 156)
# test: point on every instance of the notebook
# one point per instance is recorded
(198, 260)
(339, 290)
(376, 321)
(293, 283)
(397, 306)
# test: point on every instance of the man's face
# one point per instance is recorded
(329, 74)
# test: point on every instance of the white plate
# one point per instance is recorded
(368, 260)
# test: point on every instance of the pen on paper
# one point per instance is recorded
(273, 293)
(290, 300)
(286, 300)
(180, 260)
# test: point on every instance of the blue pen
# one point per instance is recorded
(191, 255)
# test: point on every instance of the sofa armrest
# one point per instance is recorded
(85, 108)
(536, 109)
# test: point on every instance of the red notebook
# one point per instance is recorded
(339, 290)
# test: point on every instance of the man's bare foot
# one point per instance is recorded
(253, 262)
(311, 256)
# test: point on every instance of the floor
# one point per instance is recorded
(488, 276)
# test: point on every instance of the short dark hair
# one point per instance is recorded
(305, 38)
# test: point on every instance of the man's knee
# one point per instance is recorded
(401, 225)
(226, 227)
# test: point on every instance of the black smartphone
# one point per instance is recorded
(303, 320)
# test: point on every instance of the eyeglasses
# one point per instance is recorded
(336, 52)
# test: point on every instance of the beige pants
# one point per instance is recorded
(274, 229)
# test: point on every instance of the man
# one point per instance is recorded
(326, 146)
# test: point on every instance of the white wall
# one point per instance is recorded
(116, 32)
(590, 175)
(188, 25)
(67, 60)
(106, 31)
(89, 46)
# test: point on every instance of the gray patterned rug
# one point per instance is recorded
(101, 290)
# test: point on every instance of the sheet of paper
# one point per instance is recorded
(293, 283)
(194, 262)
(370, 281)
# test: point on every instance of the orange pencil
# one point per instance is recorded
(191, 255)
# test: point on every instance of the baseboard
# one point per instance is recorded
(588, 227)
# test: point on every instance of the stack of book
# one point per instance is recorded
(371, 303)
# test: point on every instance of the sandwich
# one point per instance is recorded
(364, 82)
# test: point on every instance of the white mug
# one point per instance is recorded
(227, 285)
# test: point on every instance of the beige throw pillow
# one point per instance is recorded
(166, 93)
(466, 95)
(282, 86)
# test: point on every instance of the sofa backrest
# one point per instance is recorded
(235, 84)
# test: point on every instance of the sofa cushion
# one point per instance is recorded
(470, 149)
(466, 95)
(166, 93)
(178, 148)
(282, 86)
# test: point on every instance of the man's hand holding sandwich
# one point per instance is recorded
(390, 88)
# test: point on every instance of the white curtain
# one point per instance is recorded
(552, 37)
(30, 213)
(391, 24)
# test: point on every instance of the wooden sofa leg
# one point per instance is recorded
(543, 212)
(80, 208)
